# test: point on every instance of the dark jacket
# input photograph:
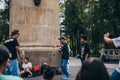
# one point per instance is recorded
(86, 50)
(65, 52)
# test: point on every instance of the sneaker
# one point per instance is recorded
(65, 77)
(69, 73)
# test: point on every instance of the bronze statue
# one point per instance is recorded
(37, 2)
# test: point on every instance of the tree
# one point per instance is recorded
(4, 21)
(91, 17)
(75, 21)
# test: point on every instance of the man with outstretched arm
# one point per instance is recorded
(116, 41)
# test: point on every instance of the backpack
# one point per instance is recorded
(36, 68)
(36, 71)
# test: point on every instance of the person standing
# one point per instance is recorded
(13, 46)
(116, 41)
(65, 57)
(85, 49)
(4, 59)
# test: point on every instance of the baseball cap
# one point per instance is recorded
(84, 36)
(62, 38)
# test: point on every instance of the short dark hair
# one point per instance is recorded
(27, 58)
(64, 38)
(49, 73)
(4, 54)
(14, 32)
(93, 70)
(84, 37)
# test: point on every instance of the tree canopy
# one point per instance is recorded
(4, 21)
(93, 18)
(90, 17)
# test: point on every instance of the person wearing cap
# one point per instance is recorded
(116, 41)
(85, 49)
(65, 57)
(4, 59)
(13, 46)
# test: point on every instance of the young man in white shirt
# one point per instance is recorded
(116, 41)
(27, 68)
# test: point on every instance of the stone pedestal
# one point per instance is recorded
(39, 29)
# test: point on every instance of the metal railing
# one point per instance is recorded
(113, 53)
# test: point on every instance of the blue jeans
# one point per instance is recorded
(12, 68)
(115, 75)
(64, 67)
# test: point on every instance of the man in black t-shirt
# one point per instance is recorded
(13, 46)
(65, 57)
(85, 49)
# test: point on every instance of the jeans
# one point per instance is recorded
(12, 68)
(64, 67)
(115, 75)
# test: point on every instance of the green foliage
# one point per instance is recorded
(91, 17)
(4, 22)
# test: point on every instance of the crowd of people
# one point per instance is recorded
(91, 69)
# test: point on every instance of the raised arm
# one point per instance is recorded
(107, 39)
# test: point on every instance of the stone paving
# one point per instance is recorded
(75, 66)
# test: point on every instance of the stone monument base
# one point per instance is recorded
(39, 55)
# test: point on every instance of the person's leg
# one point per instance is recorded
(15, 68)
(115, 75)
(7, 70)
(82, 60)
(64, 67)
(68, 68)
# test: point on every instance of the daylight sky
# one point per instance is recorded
(2, 3)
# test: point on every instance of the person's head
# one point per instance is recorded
(49, 73)
(93, 70)
(63, 40)
(26, 60)
(4, 58)
(83, 39)
(15, 33)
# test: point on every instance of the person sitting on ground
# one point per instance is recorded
(104, 56)
(4, 59)
(27, 68)
(49, 73)
(93, 70)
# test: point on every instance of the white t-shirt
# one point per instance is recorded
(116, 42)
(28, 65)
(82, 51)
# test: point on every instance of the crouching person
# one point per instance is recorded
(26, 68)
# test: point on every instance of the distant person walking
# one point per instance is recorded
(116, 41)
(65, 57)
(4, 59)
(13, 46)
(85, 49)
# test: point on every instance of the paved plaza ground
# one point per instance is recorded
(75, 66)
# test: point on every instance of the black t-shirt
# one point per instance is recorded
(65, 52)
(85, 50)
(11, 45)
